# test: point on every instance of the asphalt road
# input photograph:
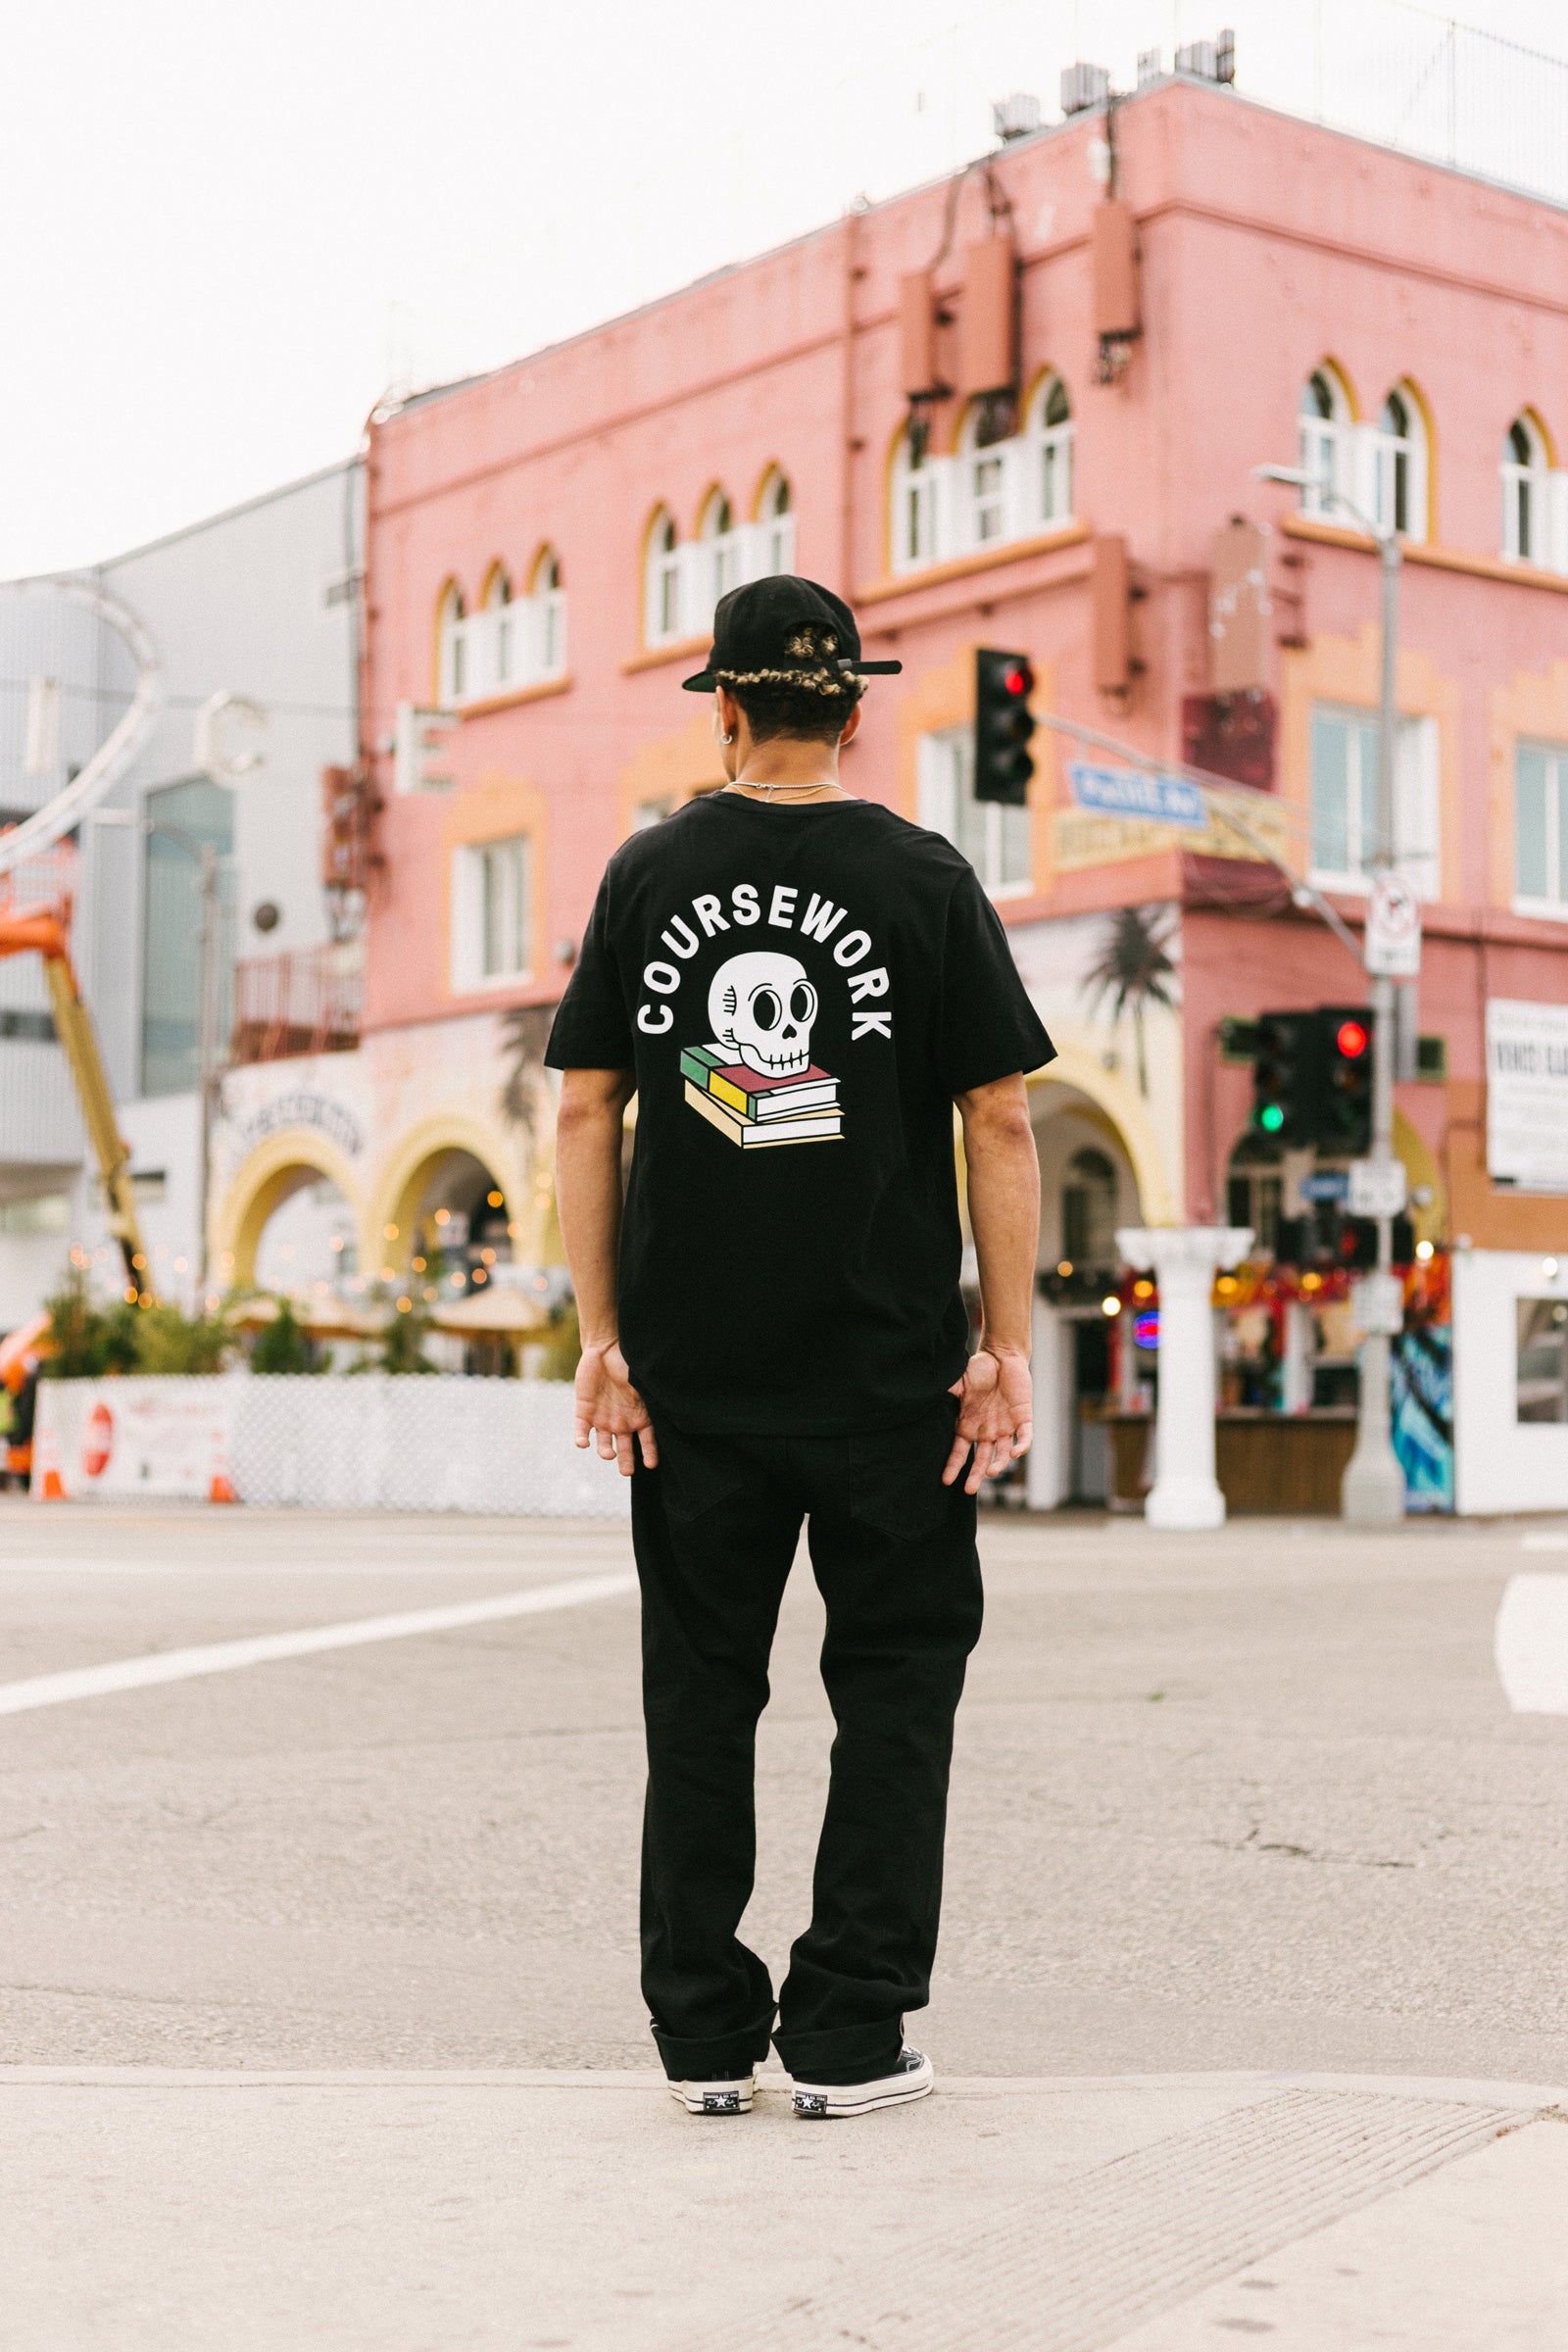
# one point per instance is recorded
(1248, 1801)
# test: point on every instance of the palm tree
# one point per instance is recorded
(526, 1031)
(1134, 968)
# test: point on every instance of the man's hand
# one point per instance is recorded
(610, 1409)
(996, 1416)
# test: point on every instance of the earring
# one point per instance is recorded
(726, 739)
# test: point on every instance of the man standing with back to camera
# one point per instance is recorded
(797, 986)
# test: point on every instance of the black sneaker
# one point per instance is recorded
(912, 2077)
(732, 2097)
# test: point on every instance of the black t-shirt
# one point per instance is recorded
(801, 991)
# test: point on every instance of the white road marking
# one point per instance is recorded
(1545, 1538)
(1530, 1643)
(217, 1657)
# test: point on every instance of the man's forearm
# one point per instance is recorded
(588, 1198)
(1003, 1210)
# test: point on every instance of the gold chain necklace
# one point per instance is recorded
(786, 791)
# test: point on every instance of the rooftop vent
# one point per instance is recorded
(1083, 86)
(1015, 117)
(1206, 61)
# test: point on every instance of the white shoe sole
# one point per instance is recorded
(715, 2098)
(823, 2102)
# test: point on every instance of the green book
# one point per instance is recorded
(697, 1061)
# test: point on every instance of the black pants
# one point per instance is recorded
(715, 1528)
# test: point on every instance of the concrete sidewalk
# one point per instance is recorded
(155, 2211)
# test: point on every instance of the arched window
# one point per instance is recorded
(918, 481)
(1051, 432)
(1089, 1210)
(500, 648)
(452, 647)
(547, 599)
(1325, 440)
(1525, 490)
(1399, 465)
(775, 526)
(662, 600)
(987, 477)
(722, 545)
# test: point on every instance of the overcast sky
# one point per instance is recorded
(226, 228)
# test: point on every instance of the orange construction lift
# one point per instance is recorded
(45, 928)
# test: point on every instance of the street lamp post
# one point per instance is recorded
(1373, 1491)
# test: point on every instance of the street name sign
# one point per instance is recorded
(1138, 791)
(1378, 1188)
(1527, 1094)
(1325, 1184)
(1393, 945)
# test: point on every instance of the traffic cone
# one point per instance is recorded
(54, 1489)
(220, 1491)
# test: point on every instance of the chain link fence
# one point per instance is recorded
(365, 1442)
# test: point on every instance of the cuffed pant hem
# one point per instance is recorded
(717, 2061)
(843, 2055)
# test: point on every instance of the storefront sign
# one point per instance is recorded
(303, 1108)
(1527, 1094)
(1138, 791)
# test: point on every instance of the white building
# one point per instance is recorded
(260, 603)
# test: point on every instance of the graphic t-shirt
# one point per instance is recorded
(801, 992)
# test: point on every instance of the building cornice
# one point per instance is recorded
(1442, 558)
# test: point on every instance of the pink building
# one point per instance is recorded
(545, 546)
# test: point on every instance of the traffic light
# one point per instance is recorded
(1002, 725)
(1288, 1078)
(1347, 1128)
(1312, 1079)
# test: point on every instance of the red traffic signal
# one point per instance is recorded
(1002, 725)
(1351, 1039)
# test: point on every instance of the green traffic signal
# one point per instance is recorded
(1271, 1116)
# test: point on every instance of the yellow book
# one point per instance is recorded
(822, 1127)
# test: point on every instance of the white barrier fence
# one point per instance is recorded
(370, 1441)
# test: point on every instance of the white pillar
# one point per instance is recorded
(1184, 1259)
(1047, 1465)
(1296, 1368)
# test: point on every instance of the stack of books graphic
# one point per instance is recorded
(754, 1110)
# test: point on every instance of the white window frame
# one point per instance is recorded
(1537, 483)
(664, 583)
(1552, 907)
(720, 554)
(1384, 452)
(982, 498)
(492, 913)
(998, 841)
(915, 511)
(769, 541)
(454, 659)
(1050, 453)
(1324, 447)
(1417, 813)
(511, 643)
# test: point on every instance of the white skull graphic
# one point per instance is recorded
(761, 1007)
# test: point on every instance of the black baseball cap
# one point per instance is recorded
(780, 629)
